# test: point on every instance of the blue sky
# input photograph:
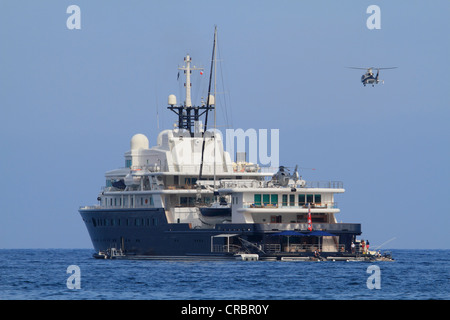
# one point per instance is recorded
(72, 99)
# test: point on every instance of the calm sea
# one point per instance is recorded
(43, 274)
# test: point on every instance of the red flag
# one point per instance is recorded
(309, 217)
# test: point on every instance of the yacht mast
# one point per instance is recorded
(187, 70)
(208, 103)
(188, 115)
(215, 105)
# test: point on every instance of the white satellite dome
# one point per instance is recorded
(172, 100)
(139, 141)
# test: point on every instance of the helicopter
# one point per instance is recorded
(283, 178)
(368, 77)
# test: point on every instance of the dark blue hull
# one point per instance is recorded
(146, 232)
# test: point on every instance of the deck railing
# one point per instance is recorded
(295, 247)
(324, 184)
(323, 205)
(225, 248)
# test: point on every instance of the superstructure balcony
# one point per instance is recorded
(324, 205)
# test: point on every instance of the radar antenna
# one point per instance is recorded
(188, 115)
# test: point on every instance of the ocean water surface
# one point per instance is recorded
(42, 274)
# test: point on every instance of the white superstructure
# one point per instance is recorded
(166, 175)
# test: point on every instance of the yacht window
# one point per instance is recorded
(189, 181)
(128, 163)
(309, 198)
(266, 199)
(275, 219)
(274, 199)
(301, 199)
(285, 199)
(187, 201)
(257, 199)
(318, 198)
(292, 200)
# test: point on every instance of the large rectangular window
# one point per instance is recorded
(274, 199)
(317, 198)
(187, 201)
(292, 200)
(266, 199)
(275, 219)
(301, 199)
(285, 198)
(309, 198)
(189, 181)
(257, 199)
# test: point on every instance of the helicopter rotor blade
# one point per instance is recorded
(387, 68)
(371, 68)
(357, 68)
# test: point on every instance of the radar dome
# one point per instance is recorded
(172, 100)
(139, 141)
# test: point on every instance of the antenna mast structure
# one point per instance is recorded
(188, 115)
